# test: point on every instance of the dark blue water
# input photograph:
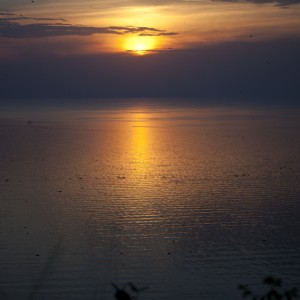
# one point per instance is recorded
(188, 202)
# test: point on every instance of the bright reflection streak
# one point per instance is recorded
(140, 142)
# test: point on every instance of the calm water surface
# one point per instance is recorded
(189, 202)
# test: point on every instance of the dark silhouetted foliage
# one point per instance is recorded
(275, 291)
(123, 294)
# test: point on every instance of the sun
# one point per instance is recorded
(140, 45)
(140, 49)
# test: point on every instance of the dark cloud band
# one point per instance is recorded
(11, 28)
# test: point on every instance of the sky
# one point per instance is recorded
(227, 51)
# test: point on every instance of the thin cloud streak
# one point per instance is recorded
(9, 16)
(159, 34)
(279, 3)
(180, 2)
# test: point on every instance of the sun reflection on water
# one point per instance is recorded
(140, 144)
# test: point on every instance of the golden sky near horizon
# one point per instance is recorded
(70, 26)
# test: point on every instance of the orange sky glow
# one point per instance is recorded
(140, 27)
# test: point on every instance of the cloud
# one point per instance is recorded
(10, 27)
(279, 3)
(132, 29)
(275, 2)
(159, 50)
(6, 14)
(159, 34)
(9, 17)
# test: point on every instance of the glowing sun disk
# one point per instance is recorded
(139, 44)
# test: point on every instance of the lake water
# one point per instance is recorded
(189, 202)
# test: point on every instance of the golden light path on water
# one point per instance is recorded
(140, 146)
